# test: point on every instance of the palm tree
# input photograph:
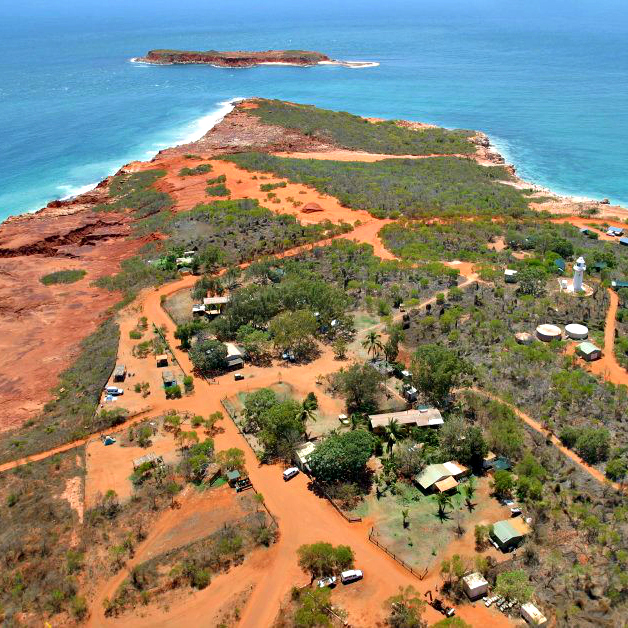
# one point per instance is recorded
(404, 513)
(373, 344)
(468, 490)
(307, 411)
(444, 501)
(356, 420)
(393, 432)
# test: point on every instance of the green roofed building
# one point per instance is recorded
(509, 533)
(588, 351)
(560, 264)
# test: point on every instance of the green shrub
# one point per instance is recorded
(173, 392)
(200, 169)
(216, 180)
(135, 191)
(217, 190)
(267, 187)
(62, 276)
(135, 335)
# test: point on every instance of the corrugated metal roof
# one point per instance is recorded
(431, 474)
(419, 417)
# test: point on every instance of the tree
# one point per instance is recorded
(255, 405)
(313, 611)
(468, 490)
(436, 370)
(593, 445)
(443, 500)
(209, 357)
(406, 609)
(616, 469)
(294, 331)
(282, 419)
(453, 569)
(451, 622)
(373, 344)
(531, 280)
(342, 457)
(323, 559)
(340, 348)
(473, 449)
(185, 331)
(503, 483)
(307, 411)
(514, 585)
(481, 536)
(357, 420)
(360, 385)
(405, 513)
(231, 459)
(393, 432)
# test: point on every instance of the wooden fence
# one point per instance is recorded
(403, 563)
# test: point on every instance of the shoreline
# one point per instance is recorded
(336, 62)
(226, 107)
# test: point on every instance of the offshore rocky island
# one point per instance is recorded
(244, 59)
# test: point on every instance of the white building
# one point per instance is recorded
(474, 585)
(578, 274)
(533, 615)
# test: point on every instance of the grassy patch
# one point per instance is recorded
(62, 276)
(356, 133)
(71, 414)
(442, 186)
(218, 190)
(200, 169)
(135, 191)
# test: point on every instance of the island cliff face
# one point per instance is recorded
(237, 59)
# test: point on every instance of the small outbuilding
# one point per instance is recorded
(533, 615)
(436, 473)
(618, 284)
(524, 338)
(577, 331)
(509, 533)
(446, 485)
(151, 459)
(302, 456)
(232, 477)
(214, 305)
(510, 276)
(119, 373)
(588, 351)
(198, 310)
(184, 261)
(623, 241)
(162, 360)
(559, 264)
(235, 359)
(547, 333)
(475, 585)
(168, 379)
(615, 231)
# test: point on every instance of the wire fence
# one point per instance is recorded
(349, 518)
(419, 574)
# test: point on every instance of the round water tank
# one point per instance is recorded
(576, 331)
(546, 333)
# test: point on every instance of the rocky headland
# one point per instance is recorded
(41, 326)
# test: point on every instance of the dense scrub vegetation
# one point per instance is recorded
(441, 186)
(200, 169)
(62, 276)
(353, 132)
(135, 191)
(480, 323)
(38, 568)
(72, 413)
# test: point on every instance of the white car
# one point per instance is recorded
(351, 575)
(114, 390)
(288, 474)
(330, 581)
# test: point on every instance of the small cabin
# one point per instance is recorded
(588, 351)
(510, 276)
(169, 379)
(615, 231)
(162, 360)
(119, 373)
(475, 585)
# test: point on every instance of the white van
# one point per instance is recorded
(351, 575)
(114, 390)
(288, 474)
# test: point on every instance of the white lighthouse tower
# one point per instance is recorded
(578, 272)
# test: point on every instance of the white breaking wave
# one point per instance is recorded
(72, 191)
(189, 133)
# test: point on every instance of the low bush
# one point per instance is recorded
(62, 276)
(200, 169)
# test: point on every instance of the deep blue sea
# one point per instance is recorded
(547, 80)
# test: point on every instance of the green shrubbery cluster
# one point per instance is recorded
(62, 276)
(200, 169)
(356, 133)
(443, 186)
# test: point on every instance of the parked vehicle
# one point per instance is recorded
(351, 575)
(243, 485)
(114, 390)
(330, 581)
(238, 377)
(515, 512)
(288, 474)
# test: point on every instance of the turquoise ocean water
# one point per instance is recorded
(548, 81)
